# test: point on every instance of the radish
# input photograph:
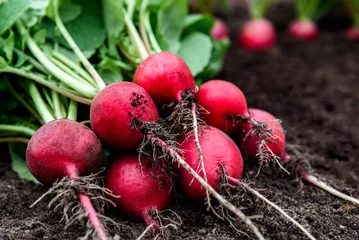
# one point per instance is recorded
(143, 190)
(264, 138)
(303, 29)
(65, 148)
(352, 7)
(117, 113)
(219, 30)
(225, 105)
(221, 159)
(224, 155)
(352, 34)
(165, 76)
(258, 34)
(308, 12)
(273, 146)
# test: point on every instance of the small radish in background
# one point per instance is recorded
(308, 13)
(267, 143)
(352, 7)
(219, 30)
(143, 190)
(257, 33)
(225, 105)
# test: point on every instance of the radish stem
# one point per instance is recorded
(17, 129)
(100, 83)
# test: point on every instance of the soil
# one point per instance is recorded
(312, 87)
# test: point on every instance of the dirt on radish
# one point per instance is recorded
(319, 113)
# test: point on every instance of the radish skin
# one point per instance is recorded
(117, 113)
(165, 76)
(219, 30)
(225, 104)
(306, 30)
(224, 152)
(257, 34)
(141, 188)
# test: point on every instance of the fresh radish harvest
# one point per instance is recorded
(218, 151)
(117, 113)
(66, 148)
(303, 29)
(165, 76)
(225, 103)
(258, 34)
(141, 188)
(219, 30)
(263, 138)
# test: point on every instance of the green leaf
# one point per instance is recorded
(113, 17)
(9, 45)
(18, 161)
(196, 50)
(40, 37)
(216, 63)
(199, 23)
(68, 11)
(2, 2)
(87, 30)
(35, 12)
(109, 71)
(170, 22)
(10, 11)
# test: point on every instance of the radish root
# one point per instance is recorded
(79, 198)
(276, 207)
(303, 170)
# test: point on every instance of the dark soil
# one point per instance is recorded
(313, 88)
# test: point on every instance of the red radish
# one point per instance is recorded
(165, 76)
(268, 140)
(352, 34)
(117, 112)
(141, 189)
(303, 29)
(218, 149)
(224, 102)
(63, 148)
(219, 30)
(257, 34)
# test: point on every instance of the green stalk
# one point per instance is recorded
(34, 62)
(85, 89)
(142, 26)
(46, 83)
(57, 104)
(135, 37)
(24, 103)
(48, 100)
(66, 69)
(131, 8)
(60, 25)
(65, 60)
(72, 112)
(14, 139)
(41, 106)
(17, 129)
(151, 35)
